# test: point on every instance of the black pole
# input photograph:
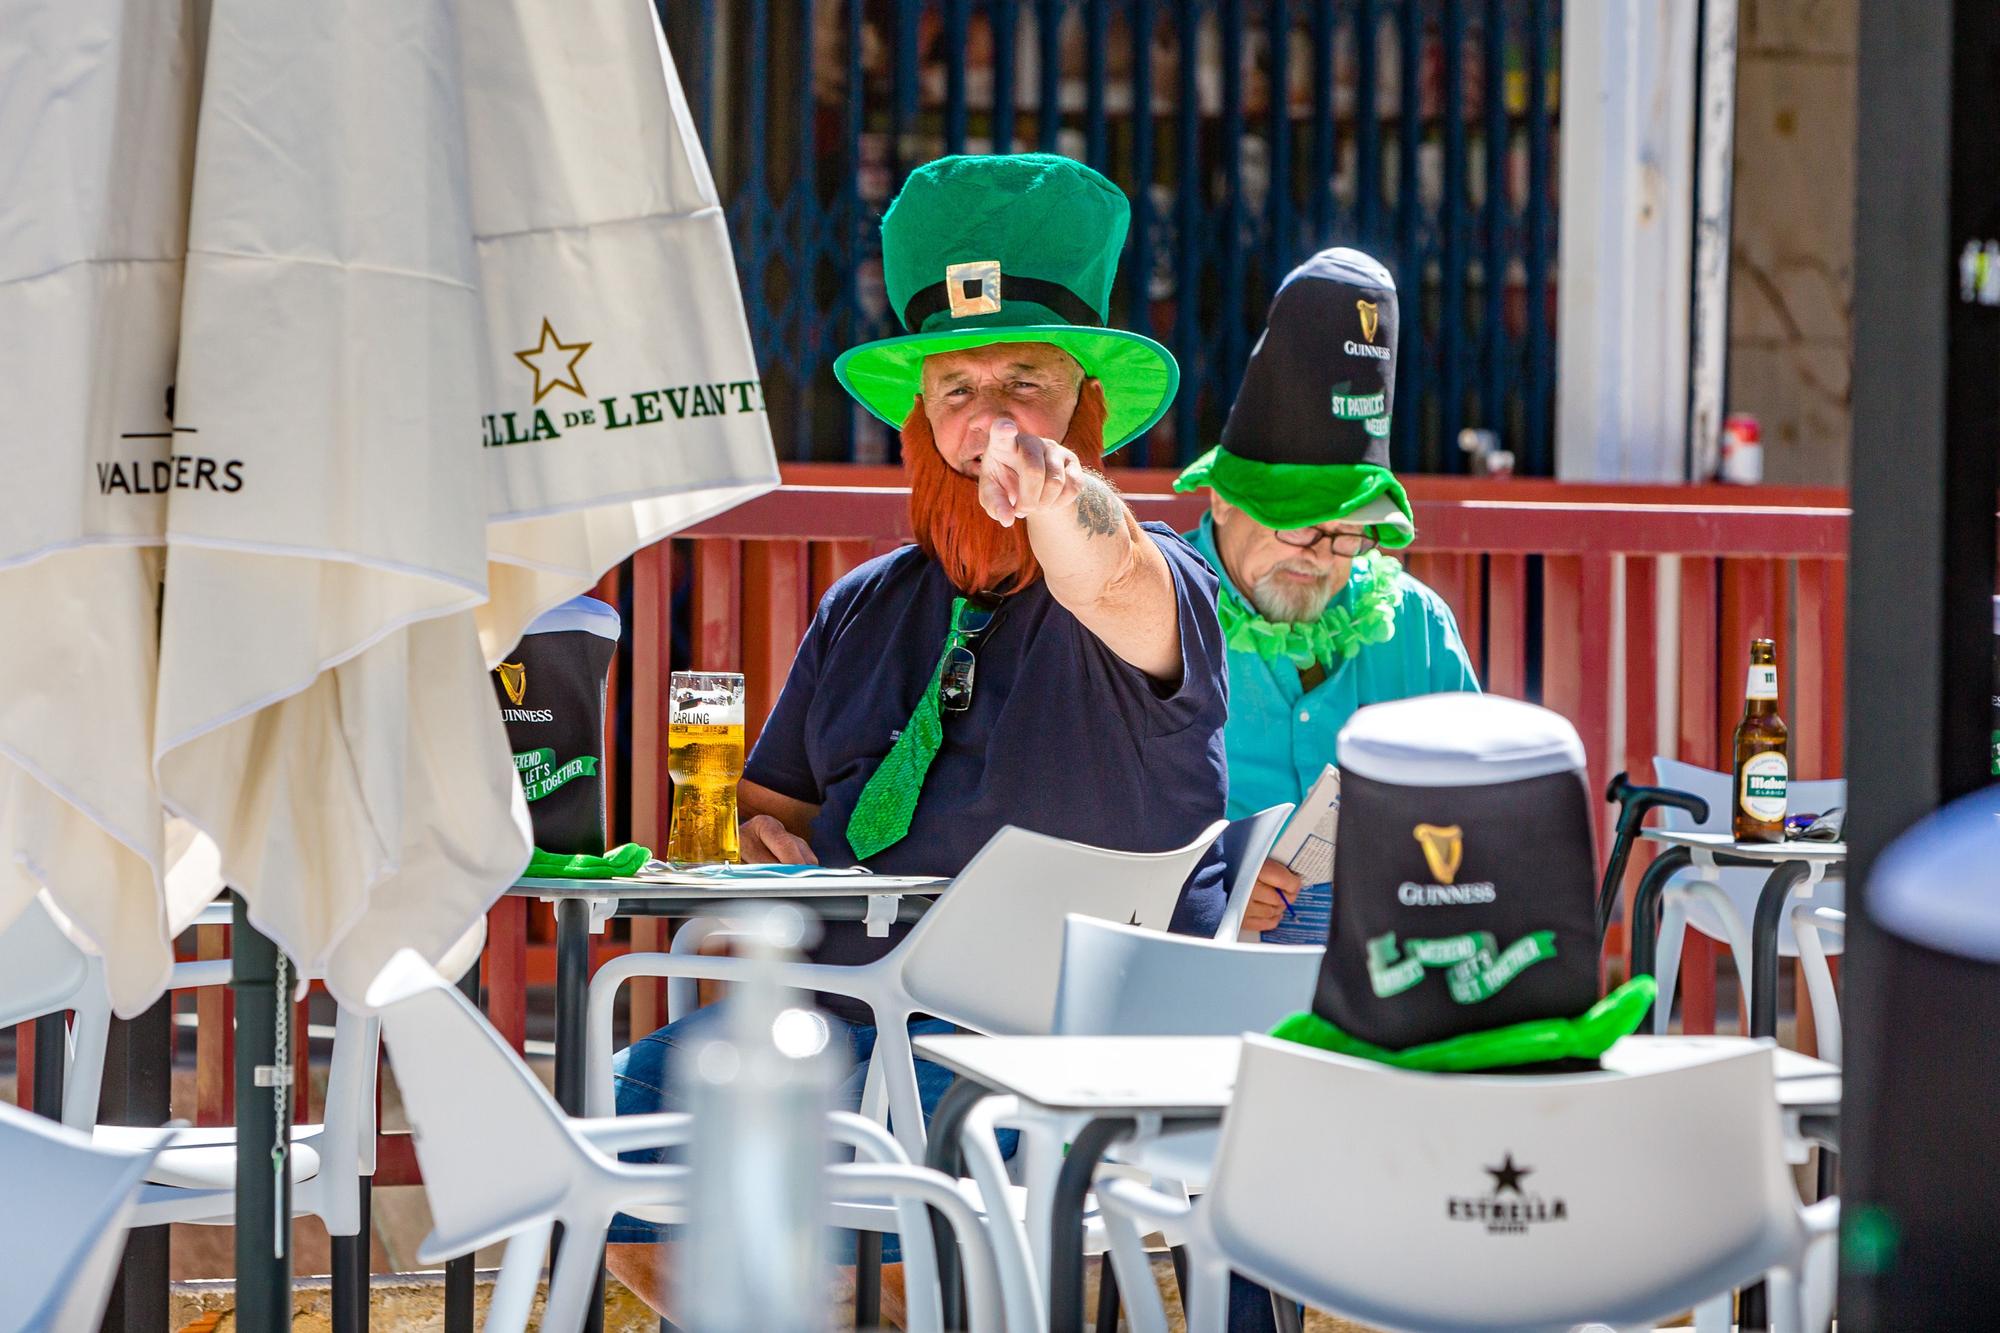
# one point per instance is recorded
(1926, 392)
(572, 1003)
(51, 1042)
(137, 1090)
(460, 1279)
(349, 1286)
(263, 1128)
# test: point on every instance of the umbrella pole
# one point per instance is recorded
(260, 977)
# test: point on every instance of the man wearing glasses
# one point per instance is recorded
(1039, 658)
(1319, 620)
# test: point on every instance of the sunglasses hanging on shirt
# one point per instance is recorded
(955, 685)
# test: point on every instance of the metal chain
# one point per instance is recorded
(281, 1061)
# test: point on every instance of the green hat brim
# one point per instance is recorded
(1139, 375)
(1300, 495)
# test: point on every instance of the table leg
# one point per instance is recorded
(460, 1295)
(942, 1153)
(572, 999)
(1764, 945)
(51, 1048)
(460, 1279)
(1107, 1297)
(1086, 1150)
(1753, 1313)
(138, 1081)
(348, 1292)
(1645, 916)
(867, 1279)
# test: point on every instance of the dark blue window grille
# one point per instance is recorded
(1420, 130)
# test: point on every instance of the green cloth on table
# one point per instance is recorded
(619, 861)
(1534, 1042)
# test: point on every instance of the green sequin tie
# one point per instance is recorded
(882, 816)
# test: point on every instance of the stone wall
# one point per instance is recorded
(1791, 295)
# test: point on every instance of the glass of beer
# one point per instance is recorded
(705, 758)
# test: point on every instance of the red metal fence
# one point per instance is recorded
(1628, 609)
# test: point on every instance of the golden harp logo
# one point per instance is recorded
(514, 680)
(1444, 848)
(1371, 318)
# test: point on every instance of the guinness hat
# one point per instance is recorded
(978, 250)
(1464, 846)
(1307, 440)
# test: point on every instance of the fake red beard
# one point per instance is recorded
(978, 555)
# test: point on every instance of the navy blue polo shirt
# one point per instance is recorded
(1063, 737)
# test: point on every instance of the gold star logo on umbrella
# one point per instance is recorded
(549, 357)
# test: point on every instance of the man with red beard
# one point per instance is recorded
(1039, 658)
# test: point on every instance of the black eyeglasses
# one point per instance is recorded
(1349, 544)
(955, 685)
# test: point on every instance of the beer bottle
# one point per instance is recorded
(1762, 772)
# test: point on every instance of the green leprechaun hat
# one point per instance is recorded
(1307, 440)
(1020, 248)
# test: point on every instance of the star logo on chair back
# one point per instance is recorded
(1507, 1176)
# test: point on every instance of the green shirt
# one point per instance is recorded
(1279, 736)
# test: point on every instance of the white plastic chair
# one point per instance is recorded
(194, 1178)
(1477, 1202)
(1812, 924)
(472, 1102)
(1118, 980)
(1121, 982)
(43, 972)
(1246, 844)
(69, 1205)
(986, 957)
(1722, 908)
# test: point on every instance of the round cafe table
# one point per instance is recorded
(1793, 864)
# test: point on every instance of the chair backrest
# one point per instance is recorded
(1245, 845)
(41, 969)
(1458, 1202)
(988, 954)
(66, 1206)
(496, 1150)
(1121, 981)
(350, 1094)
(1741, 885)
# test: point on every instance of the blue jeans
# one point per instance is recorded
(645, 1079)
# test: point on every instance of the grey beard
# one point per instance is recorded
(1281, 602)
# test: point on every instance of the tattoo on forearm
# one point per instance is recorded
(1097, 508)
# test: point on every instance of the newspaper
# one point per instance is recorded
(1305, 847)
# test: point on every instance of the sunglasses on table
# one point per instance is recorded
(955, 686)
(1348, 544)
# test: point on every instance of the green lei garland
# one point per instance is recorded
(1338, 633)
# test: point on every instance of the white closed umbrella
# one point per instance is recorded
(612, 304)
(97, 103)
(390, 202)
